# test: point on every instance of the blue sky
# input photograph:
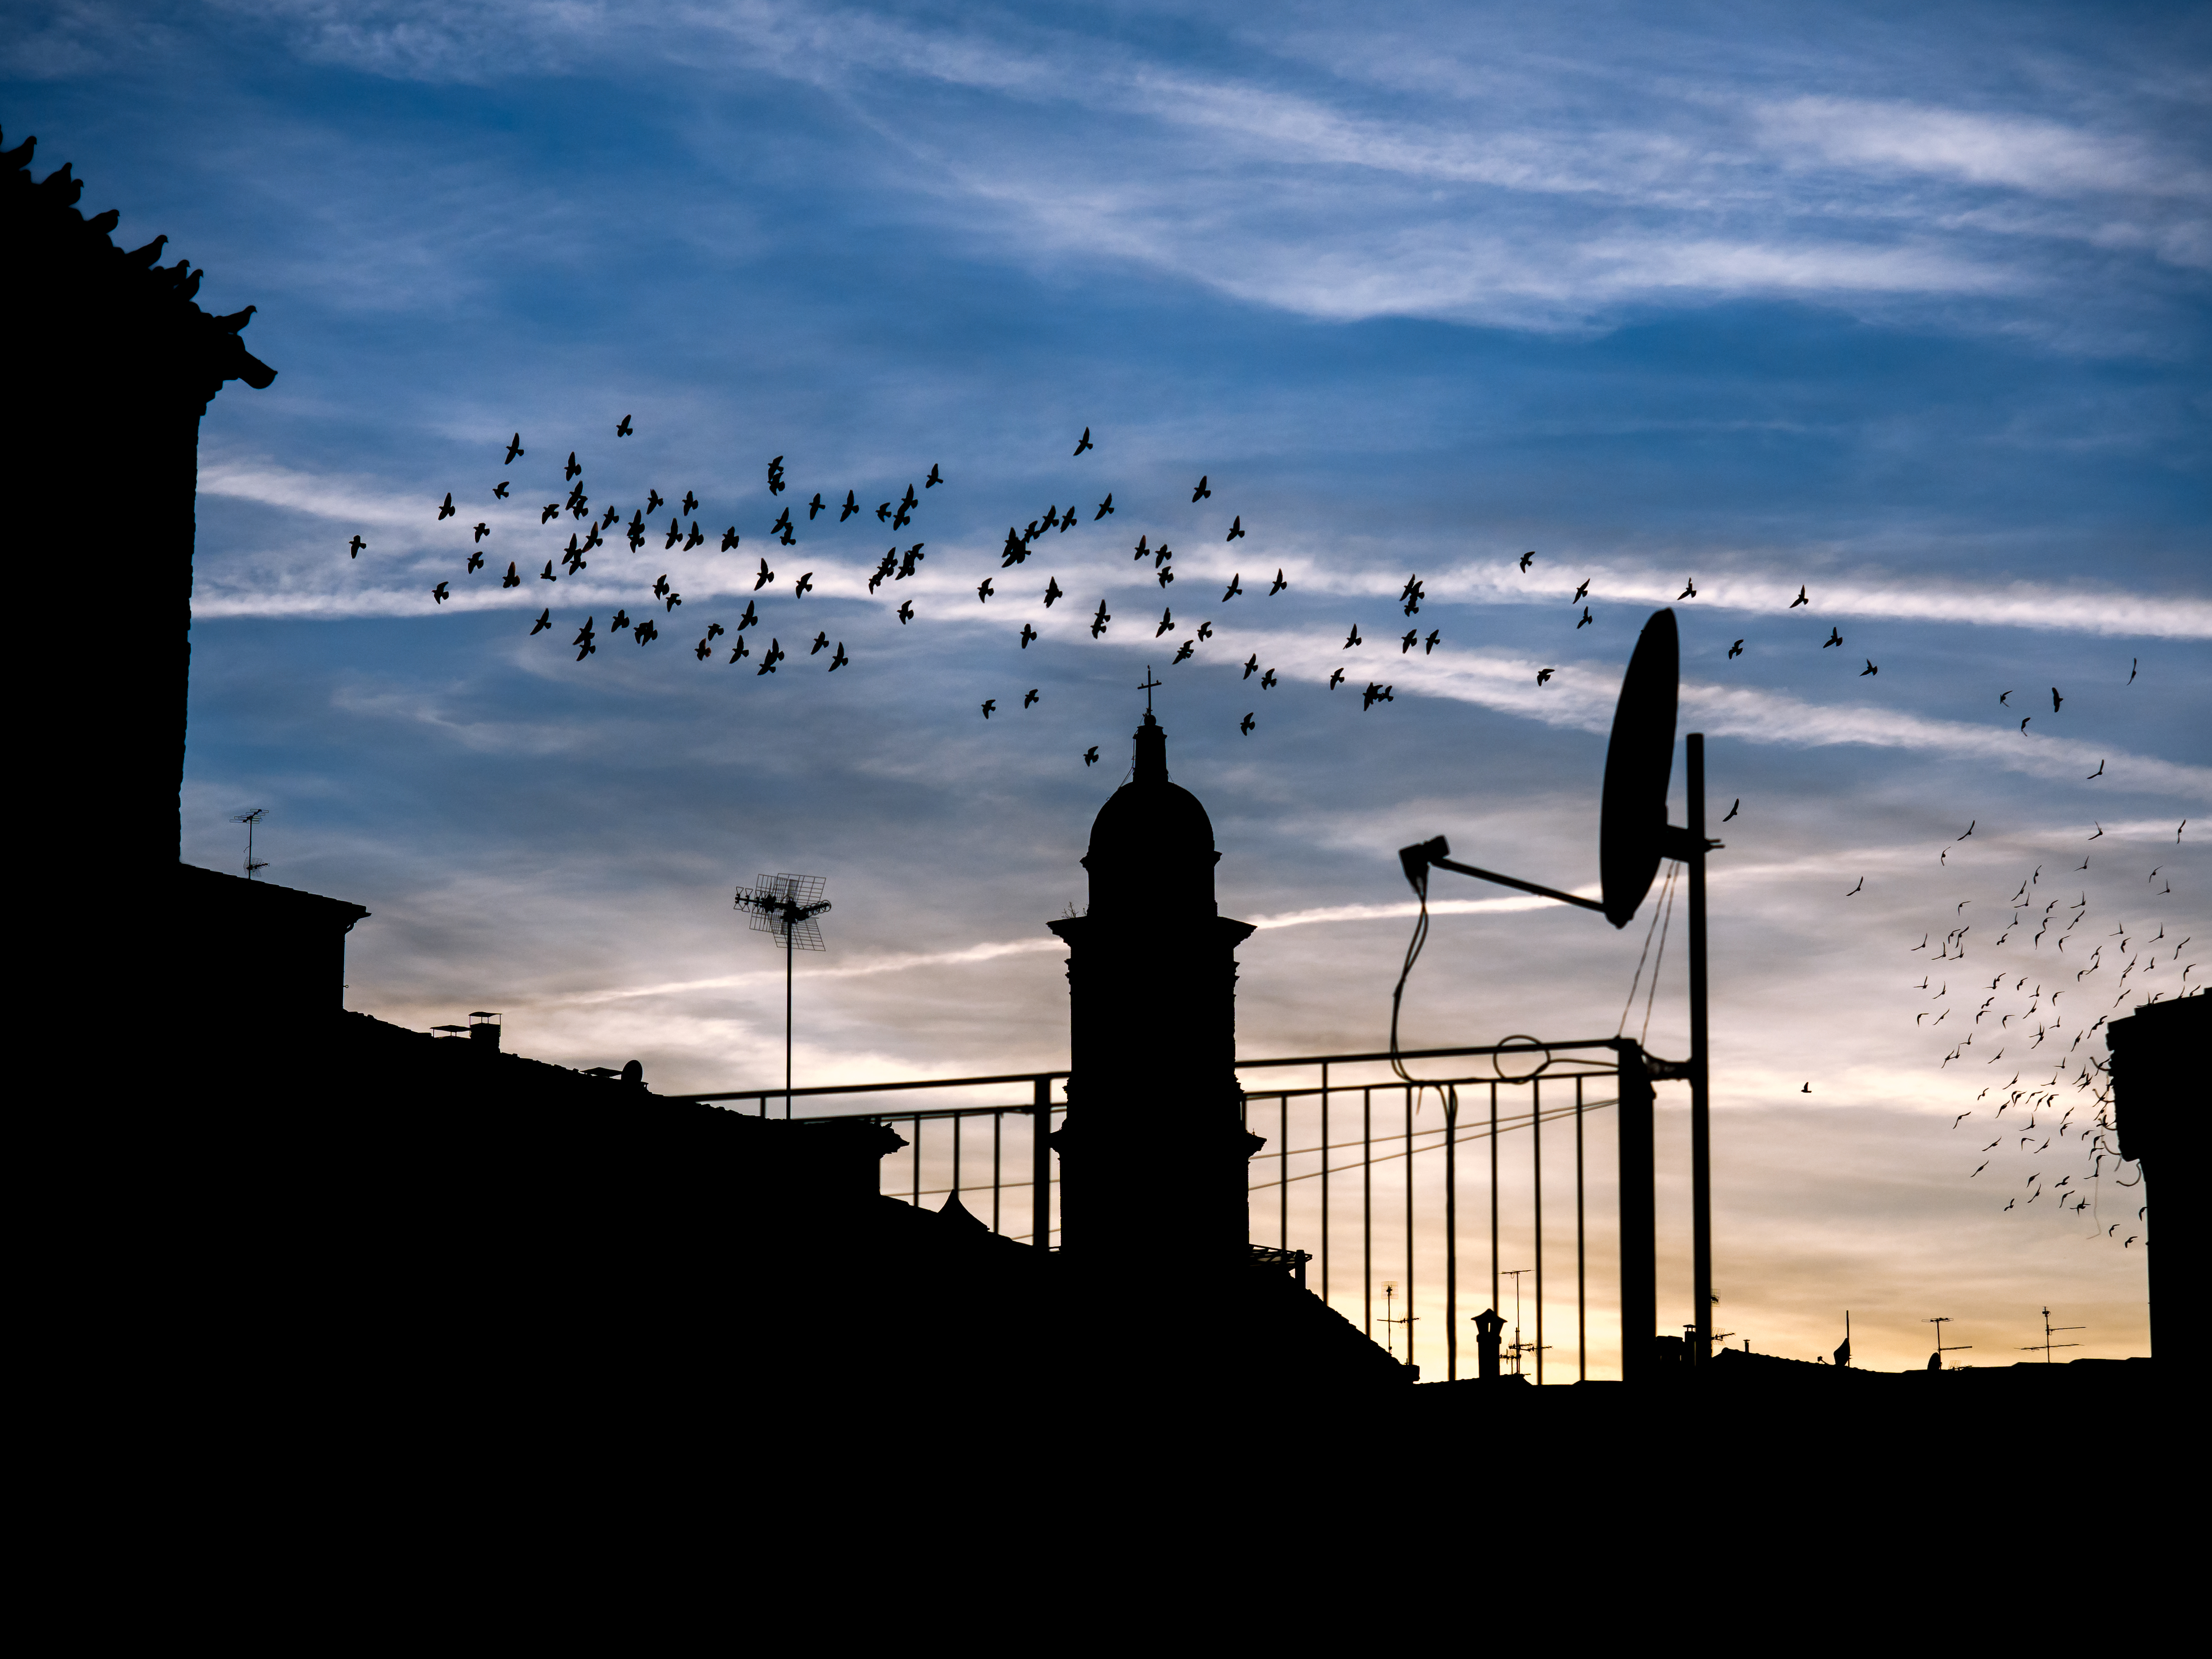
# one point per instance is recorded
(1905, 306)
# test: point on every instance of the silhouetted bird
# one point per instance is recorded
(775, 477)
(1098, 622)
(1091, 755)
(2023, 725)
(737, 651)
(1735, 650)
(438, 593)
(545, 621)
(1336, 679)
(1167, 621)
(1413, 638)
(1868, 669)
(731, 538)
(1689, 590)
(354, 546)
(673, 600)
(1236, 528)
(805, 586)
(702, 651)
(905, 611)
(2100, 773)
(549, 512)
(1144, 551)
(769, 658)
(1166, 576)
(934, 478)
(510, 580)
(546, 575)
(660, 587)
(1104, 508)
(1029, 697)
(714, 628)
(1733, 809)
(2002, 695)
(583, 640)
(1201, 492)
(476, 564)
(1528, 559)
(821, 643)
(813, 507)
(1051, 520)
(573, 470)
(514, 448)
(1799, 600)
(782, 523)
(984, 590)
(498, 490)
(1373, 694)
(902, 516)
(748, 620)
(1051, 591)
(591, 538)
(1808, 1089)
(622, 429)
(1251, 667)
(909, 559)
(1353, 638)
(2055, 700)
(2134, 665)
(1184, 652)
(850, 507)
(839, 660)
(446, 511)
(1028, 634)
(1206, 630)
(653, 500)
(989, 703)
(1083, 442)
(1280, 583)
(1545, 674)
(1014, 551)
(1267, 680)
(1246, 725)
(619, 620)
(765, 577)
(1586, 618)
(1835, 637)
(1855, 889)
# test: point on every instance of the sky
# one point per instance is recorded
(1902, 306)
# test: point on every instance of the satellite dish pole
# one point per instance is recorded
(785, 906)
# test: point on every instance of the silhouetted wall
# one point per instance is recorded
(2158, 1058)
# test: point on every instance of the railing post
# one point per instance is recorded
(1639, 1299)
(1324, 1181)
(998, 1120)
(1451, 1234)
(1283, 1169)
(1040, 1165)
(1367, 1208)
(1536, 1144)
(1582, 1312)
(1409, 1224)
(1493, 1200)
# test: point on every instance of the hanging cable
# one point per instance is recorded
(1444, 1091)
(1627, 1007)
(1666, 919)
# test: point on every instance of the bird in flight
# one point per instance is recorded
(1586, 618)
(984, 590)
(1082, 443)
(1855, 889)
(989, 703)
(1246, 725)
(2135, 664)
(1373, 694)
(1098, 622)
(1800, 599)
(1267, 680)
(775, 476)
(1580, 592)
(1353, 638)
(1868, 669)
(692, 504)
(703, 650)
(510, 580)
(1528, 558)
(514, 448)
(1014, 551)
(546, 575)
(2101, 830)
(1184, 652)
(1733, 809)
(1052, 591)
(1545, 674)
(545, 621)
(805, 586)
(476, 564)
(850, 507)
(934, 478)
(583, 640)
(1028, 634)
(573, 470)
(446, 511)
(1166, 576)
(1236, 528)
(498, 490)
(1251, 667)
(439, 593)
(2023, 725)
(653, 502)
(622, 430)
(1104, 508)
(1091, 755)
(1413, 638)
(882, 512)
(821, 643)
(731, 538)
(1970, 823)
(354, 547)
(1430, 643)
(1737, 650)
(2099, 773)
(1235, 587)
(2002, 695)
(765, 578)
(1835, 637)
(750, 619)
(1206, 630)
(905, 611)
(813, 507)
(1806, 1089)
(619, 620)
(1336, 679)
(1280, 584)
(1167, 621)
(1029, 697)
(1201, 492)
(1689, 590)
(2055, 700)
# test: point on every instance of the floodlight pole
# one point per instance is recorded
(1701, 1173)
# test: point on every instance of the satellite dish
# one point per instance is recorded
(1638, 761)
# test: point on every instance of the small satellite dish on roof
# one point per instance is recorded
(1632, 825)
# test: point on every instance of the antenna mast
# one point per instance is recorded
(785, 906)
(249, 819)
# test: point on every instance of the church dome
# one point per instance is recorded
(1151, 844)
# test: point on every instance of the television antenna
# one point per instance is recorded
(1935, 1360)
(2047, 1344)
(785, 906)
(250, 819)
(1390, 1319)
(1633, 835)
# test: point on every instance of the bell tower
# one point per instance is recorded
(1154, 1148)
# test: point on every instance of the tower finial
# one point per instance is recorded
(1146, 687)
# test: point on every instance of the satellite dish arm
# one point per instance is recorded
(1417, 859)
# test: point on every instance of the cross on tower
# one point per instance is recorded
(1146, 687)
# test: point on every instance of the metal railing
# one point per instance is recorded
(1316, 1105)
